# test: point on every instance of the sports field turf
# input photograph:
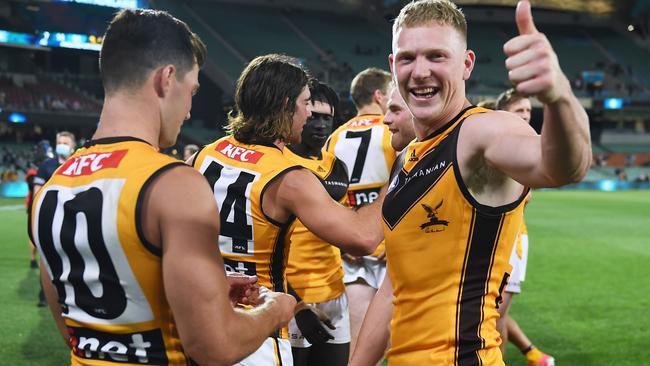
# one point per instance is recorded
(585, 299)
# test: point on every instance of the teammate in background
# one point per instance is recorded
(452, 212)
(65, 145)
(363, 144)
(261, 191)
(117, 232)
(314, 269)
(519, 104)
(488, 104)
(189, 150)
(399, 121)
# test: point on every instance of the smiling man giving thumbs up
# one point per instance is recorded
(455, 202)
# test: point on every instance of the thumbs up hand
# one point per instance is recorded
(532, 64)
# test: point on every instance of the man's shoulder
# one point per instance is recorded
(487, 124)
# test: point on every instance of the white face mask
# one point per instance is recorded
(63, 150)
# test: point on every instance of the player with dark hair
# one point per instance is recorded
(363, 144)
(314, 269)
(519, 104)
(454, 207)
(129, 264)
(261, 191)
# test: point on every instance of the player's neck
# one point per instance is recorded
(128, 115)
(372, 108)
(280, 144)
(424, 128)
(305, 151)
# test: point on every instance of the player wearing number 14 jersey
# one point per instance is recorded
(116, 233)
(260, 191)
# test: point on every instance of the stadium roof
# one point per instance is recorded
(601, 7)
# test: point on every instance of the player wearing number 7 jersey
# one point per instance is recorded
(363, 144)
(131, 261)
(260, 191)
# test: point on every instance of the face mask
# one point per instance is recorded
(63, 150)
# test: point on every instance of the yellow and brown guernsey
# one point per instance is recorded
(86, 224)
(314, 269)
(250, 241)
(363, 144)
(448, 257)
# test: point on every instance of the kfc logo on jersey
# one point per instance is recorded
(362, 122)
(91, 163)
(239, 153)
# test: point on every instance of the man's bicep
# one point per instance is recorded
(307, 199)
(193, 271)
(514, 149)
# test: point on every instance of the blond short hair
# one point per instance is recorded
(422, 12)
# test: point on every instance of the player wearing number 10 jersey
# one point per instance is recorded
(260, 191)
(117, 238)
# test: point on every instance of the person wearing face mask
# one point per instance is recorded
(314, 270)
(65, 146)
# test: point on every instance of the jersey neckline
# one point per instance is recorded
(448, 124)
(113, 140)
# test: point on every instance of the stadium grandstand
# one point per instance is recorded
(49, 77)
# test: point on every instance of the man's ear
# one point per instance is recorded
(470, 60)
(376, 96)
(163, 79)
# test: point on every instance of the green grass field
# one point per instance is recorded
(585, 299)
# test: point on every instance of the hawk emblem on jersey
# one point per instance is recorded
(434, 224)
(321, 170)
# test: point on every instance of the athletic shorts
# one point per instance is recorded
(338, 313)
(518, 266)
(371, 271)
(273, 352)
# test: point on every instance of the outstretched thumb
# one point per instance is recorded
(524, 18)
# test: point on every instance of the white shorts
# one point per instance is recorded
(371, 271)
(518, 266)
(273, 352)
(338, 313)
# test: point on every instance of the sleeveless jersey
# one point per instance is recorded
(448, 258)
(86, 224)
(315, 271)
(363, 144)
(250, 242)
(523, 230)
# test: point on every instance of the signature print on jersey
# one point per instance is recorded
(434, 224)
